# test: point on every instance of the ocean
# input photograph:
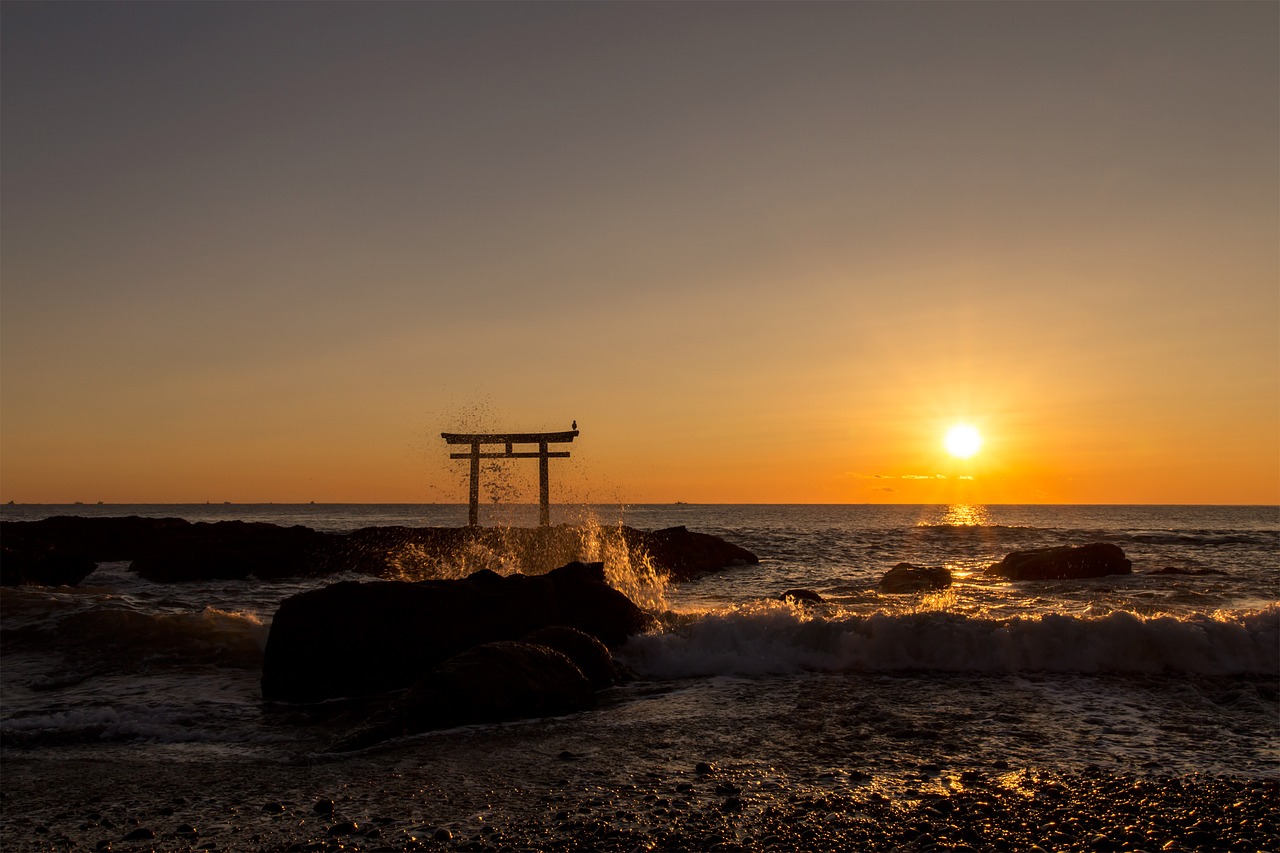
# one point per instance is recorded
(129, 708)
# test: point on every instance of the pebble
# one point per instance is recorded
(323, 806)
(142, 833)
(344, 828)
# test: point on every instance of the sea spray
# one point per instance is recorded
(507, 550)
(628, 568)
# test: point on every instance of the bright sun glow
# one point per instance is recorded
(962, 441)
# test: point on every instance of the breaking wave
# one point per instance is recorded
(122, 637)
(776, 638)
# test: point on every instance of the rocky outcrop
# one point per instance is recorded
(800, 596)
(1065, 562)
(683, 553)
(358, 639)
(64, 550)
(905, 578)
(232, 550)
(41, 564)
(1174, 570)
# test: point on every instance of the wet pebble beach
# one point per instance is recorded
(724, 809)
(905, 763)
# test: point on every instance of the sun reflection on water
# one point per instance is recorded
(955, 515)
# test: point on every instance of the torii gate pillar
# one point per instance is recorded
(543, 453)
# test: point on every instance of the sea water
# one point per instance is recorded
(1172, 669)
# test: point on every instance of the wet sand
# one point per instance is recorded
(810, 763)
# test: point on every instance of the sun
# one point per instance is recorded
(962, 441)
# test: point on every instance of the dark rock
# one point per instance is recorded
(358, 639)
(588, 654)
(800, 596)
(22, 564)
(906, 577)
(66, 549)
(344, 828)
(1173, 570)
(323, 806)
(685, 554)
(494, 682)
(442, 834)
(142, 833)
(1064, 562)
(232, 550)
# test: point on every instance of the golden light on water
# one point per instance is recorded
(962, 441)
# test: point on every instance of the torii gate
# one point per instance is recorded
(542, 439)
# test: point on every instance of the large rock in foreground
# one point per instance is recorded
(359, 639)
(1064, 562)
(494, 682)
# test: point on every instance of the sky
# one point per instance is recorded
(760, 252)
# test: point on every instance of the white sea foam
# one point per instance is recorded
(775, 638)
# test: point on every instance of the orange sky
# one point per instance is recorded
(760, 252)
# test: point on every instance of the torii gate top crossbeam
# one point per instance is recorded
(509, 437)
(542, 454)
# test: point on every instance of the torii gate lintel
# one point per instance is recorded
(508, 440)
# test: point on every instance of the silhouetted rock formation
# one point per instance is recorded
(489, 683)
(587, 653)
(232, 550)
(1174, 570)
(65, 549)
(358, 639)
(494, 682)
(800, 596)
(906, 577)
(684, 553)
(1064, 562)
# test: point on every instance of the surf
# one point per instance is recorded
(774, 638)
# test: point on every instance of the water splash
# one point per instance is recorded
(628, 568)
(537, 550)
